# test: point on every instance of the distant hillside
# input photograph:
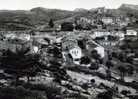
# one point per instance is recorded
(44, 14)
(80, 10)
(19, 19)
(129, 10)
(23, 19)
(35, 16)
(130, 6)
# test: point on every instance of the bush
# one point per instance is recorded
(94, 66)
(75, 96)
(85, 60)
(67, 26)
(50, 89)
(21, 93)
(105, 95)
(125, 92)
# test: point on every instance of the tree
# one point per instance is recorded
(109, 64)
(57, 52)
(121, 57)
(105, 95)
(78, 27)
(95, 54)
(122, 72)
(125, 92)
(67, 26)
(20, 63)
(85, 60)
(129, 60)
(114, 54)
(130, 69)
(82, 44)
(124, 29)
(94, 66)
(59, 73)
(51, 23)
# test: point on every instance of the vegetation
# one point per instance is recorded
(51, 90)
(67, 26)
(85, 60)
(51, 23)
(105, 95)
(20, 63)
(122, 72)
(21, 93)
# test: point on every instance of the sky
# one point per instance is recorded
(62, 4)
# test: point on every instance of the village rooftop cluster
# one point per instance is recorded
(92, 58)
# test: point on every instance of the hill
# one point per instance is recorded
(44, 14)
(30, 19)
(129, 10)
(130, 6)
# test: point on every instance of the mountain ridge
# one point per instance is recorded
(40, 15)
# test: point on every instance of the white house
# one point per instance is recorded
(76, 52)
(10, 36)
(25, 37)
(123, 23)
(70, 50)
(101, 10)
(72, 55)
(100, 51)
(107, 20)
(35, 49)
(131, 33)
(100, 33)
(95, 46)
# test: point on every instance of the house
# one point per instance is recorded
(131, 32)
(86, 20)
(101, 10)
(19, 36)
(100, 51)
(117, 19)
(75, 52)
(57, 27)
(131, 35)
(34, 49)
(108, 41)
(70, 50)
(107, 20)
(10, 36)
(25, 37)
(99, 33)
(92, 45)
(121, 21)
(135, 61)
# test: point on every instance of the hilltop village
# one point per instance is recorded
(90, 58)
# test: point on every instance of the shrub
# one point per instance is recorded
(21, 93)
(76, 96)
(50, 89)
